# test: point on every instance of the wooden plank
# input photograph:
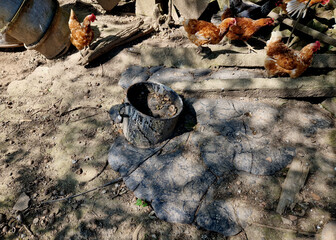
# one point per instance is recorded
(302, 87)
(307, 30)
(293, 183)
(221, 56)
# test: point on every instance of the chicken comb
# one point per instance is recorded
(92, 17)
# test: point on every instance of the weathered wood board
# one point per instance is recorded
(187, 57)
(302, 87)
(293, 183)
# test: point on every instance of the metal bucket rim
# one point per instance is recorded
(14, 18)
(179, 110)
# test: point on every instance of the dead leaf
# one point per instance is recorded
(315, 196)
(269, 159)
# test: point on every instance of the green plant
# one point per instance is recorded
(141, 203)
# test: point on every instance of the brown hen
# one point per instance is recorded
(202, 32)
(245, 28)
(81, 34)
(282, 60)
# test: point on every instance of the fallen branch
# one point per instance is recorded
(83, 193)
(75, 109)
(307, 30)
(100, 172)
(107, 44)
(135, 235)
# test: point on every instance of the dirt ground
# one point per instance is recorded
(55, 135)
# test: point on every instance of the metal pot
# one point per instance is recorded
(141, 126)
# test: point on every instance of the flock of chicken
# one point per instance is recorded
(239, 22)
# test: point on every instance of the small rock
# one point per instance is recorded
(22, 203)
(45, 212)
(286, 221)
(329, 231)
(35, 221)
(5, 229)
(238, 183)
(292, 217)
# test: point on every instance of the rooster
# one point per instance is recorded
(294, 7)
(202, 32)
(245, 28)
(81, 34)
(281, 60)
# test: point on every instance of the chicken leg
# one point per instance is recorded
(251, 49)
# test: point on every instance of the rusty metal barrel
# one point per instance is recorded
(150, 113)
(37, 24)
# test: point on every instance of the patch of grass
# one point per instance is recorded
(141, 203)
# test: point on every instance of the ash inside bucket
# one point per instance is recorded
(157, 103)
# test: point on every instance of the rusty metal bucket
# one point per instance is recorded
(7, 41)
(56, 41)
(39, 24)
(8, 9)
(31, 21)
(142, 125)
